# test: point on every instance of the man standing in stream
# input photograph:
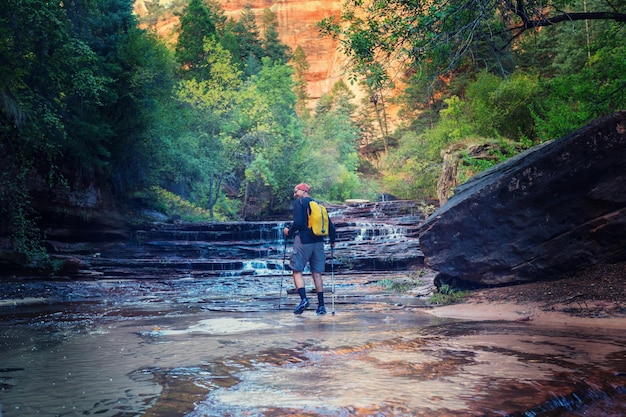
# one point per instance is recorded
(307, 248)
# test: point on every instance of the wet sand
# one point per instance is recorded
(531, 313)
(595, 297)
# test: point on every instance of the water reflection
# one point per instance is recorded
(379, 356)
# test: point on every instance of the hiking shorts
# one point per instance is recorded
(313, 253)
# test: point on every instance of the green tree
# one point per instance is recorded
(249, 40)
(100, 122)
(329, 158)
(410, 171)
(228, 39)
(273, 47)
(238, 134)
(502, 107)
(300, 67)
(196, 27)
(274, 133)
(437, 38)
(50, 84)
(143, 146)
(369, 69)
(207, 141)
(570, 101)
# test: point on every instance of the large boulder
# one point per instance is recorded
(553, 210)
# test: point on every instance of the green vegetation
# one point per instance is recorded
(477, 73)
(412, 280)
(221, 121)
(447, 295)
(173, 205)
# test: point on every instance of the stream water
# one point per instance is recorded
(222, 347)
(195, 320)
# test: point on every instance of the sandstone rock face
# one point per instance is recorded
(551, 211)
(99, 244)
(370, 237)
(297, 25)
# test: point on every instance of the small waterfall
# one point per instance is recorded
(378, 232)
(372, 236)
(257, 267)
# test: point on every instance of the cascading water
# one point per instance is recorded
(258, 248)
(378, 232)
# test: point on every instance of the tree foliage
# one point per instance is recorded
(300, 67)
(249, 40)
(196, 27)
(223, 122)
(438, 37)
(331, 159)
(478, 70)
(273, 48)
(53, 88)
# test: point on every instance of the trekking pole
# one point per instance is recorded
(332, 278)
(282, 275)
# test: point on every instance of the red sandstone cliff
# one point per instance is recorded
(297, 25)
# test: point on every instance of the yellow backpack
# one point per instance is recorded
(318, 218)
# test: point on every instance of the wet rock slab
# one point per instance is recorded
(162, 348)
(371, 237)
(551, 211)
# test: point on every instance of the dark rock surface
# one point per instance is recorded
(372, 236)
(547, 213)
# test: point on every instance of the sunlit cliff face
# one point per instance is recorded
(297, 25)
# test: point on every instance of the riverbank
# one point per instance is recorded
(595, 297)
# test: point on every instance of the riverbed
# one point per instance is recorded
(233, 347)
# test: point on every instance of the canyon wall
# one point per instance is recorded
(297, 25)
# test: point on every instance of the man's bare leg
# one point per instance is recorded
(298, 280)
(317, 280)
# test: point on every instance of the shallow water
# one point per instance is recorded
(184, 348)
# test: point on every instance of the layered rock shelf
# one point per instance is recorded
(371, 237)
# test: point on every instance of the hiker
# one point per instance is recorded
(307, 247)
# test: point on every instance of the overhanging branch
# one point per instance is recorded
(571, 17)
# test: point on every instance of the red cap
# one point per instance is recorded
(303, 186)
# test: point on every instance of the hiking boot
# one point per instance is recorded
(304, 303)
(321, 310)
